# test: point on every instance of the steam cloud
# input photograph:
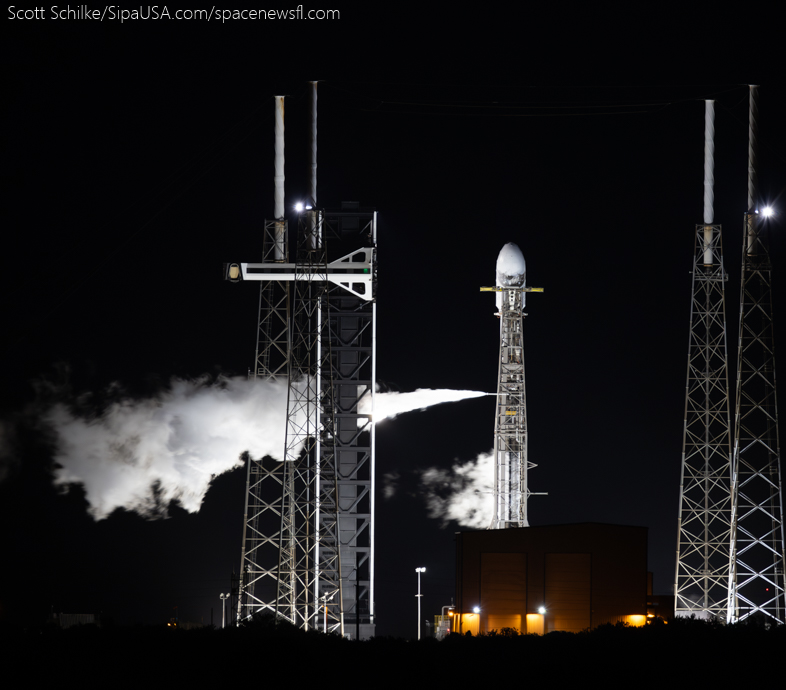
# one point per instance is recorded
(140, 455)
(463, 493)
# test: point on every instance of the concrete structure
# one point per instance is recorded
(556, 577)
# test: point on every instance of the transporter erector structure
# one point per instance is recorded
(511, 463)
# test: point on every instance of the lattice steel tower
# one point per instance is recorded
(511, 463)
(758, 546)
(705, 513)
(308, 545)
(265, 476)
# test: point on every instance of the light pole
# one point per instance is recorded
(418, 571)
(324, 602)
(224, 598)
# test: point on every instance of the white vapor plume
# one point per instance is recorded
(390, 484)
(141, 454)
(463, 493)
(391, 404)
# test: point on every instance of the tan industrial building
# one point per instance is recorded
(556, 577)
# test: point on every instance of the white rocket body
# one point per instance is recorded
(511, 271)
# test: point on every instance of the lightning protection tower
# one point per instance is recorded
(265, 476)
(704, 523)
(758, 547)
(511, 464)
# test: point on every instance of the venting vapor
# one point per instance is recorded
(140, 455)
(391, 404)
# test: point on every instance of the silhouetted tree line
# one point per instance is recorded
(263, 650)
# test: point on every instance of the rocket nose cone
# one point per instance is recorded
(511, 267)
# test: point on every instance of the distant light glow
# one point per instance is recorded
(476, 609)
(299, 206)
(535, 623)
(767, 211)
(542, 610)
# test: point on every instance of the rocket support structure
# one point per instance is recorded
(308, 541)
(511, 463)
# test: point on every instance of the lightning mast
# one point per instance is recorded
(757, 586)
(264, 476)
(704, 522)
(511, 464)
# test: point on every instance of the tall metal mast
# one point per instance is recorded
(511, 464)
(704, 524)
(758, 547)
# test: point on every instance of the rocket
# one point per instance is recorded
(511, 270)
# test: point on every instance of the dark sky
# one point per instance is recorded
(139, 158)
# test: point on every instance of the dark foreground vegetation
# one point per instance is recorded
(262, 652)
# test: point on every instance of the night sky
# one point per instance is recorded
(139, 159)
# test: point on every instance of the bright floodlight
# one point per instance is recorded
(767, 211)
(299, 206)
(542, 610)
(476, 609)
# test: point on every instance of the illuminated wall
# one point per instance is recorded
(568, 582)
(535, 624)
(582, 575)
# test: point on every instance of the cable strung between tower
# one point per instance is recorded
(511, 464)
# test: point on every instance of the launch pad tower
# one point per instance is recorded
(308, 540)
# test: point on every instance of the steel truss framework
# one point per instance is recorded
(261, 537)
(294, 523)
(351, 312)
(511, 464)
(310, 580)
(272, 355)
(705, 514)
(758, 547)
(265, 476)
